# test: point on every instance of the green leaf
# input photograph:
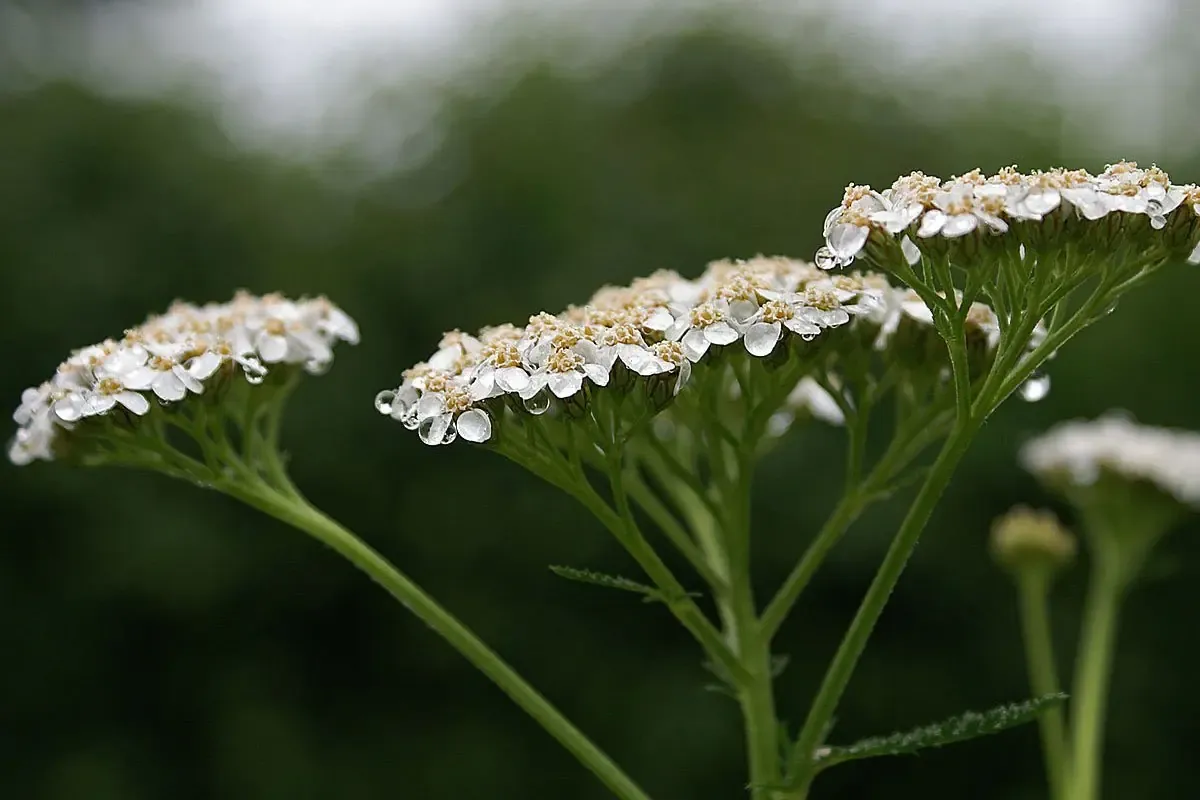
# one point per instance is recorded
(607, 581)
(970, 725)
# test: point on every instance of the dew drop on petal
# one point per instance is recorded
(432, 430)
(451, 435)
(255, 378)
(538, 404)
(384, 402)
(825, 259)
(317, 366)
(475, 425)
(1035, 387)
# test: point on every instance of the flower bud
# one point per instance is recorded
(1031, 539)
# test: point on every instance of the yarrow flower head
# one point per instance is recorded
(185, 353)
(923, 214)
(641, 341)
(1081, 454)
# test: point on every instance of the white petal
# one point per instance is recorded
(912, 254)
(272, 349)
(512, 379)
(202, 367)
(596, 373)
(802, 326)
(430, 405)
(846, 240)
(168, 387)
(140, 379)
(475, 425)
(484, 383)
(69, 408)
(721, 333)
(433, 430)
(99, 404)
(931, 223)
(761, 338)
(743, 310)
(565, 384)
(695, 344)
(1194, 257)
(134, 402)
(659, 320)
(960, 225)
(185, 378)
(1042, 201)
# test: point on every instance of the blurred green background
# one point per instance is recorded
(158, 642)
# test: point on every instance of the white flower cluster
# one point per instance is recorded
(925, 206)
(172, 356)
(655, 328)
(1080, 451)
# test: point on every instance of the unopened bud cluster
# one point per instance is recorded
(1027, 538)
(171, 357)
(923, 210)
(654, 331)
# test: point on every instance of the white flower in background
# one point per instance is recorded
(172, 356)
(1081, 451)
(810, 396)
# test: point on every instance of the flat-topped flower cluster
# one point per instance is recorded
(923, 207)
(1080, 452)
(172, 356)
(655, 329)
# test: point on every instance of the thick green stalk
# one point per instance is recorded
(1094, 662)
(306, 518)
(755, 692)
(1033, 590)
(800, 765)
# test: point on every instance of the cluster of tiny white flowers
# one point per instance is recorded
(925, 206)
(172, 356)
(1080, 451)
(656, 328)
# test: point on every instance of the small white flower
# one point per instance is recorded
(564, 370)
(444, 415)
(705, 325)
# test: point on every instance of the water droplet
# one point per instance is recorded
(538, 404)
(1111, 308)
(451, 435)
(1035, 387)
(410, 421)
(808, 337)
(255, 378)
(384, 402)
(1153, 208)
(317, 366)
(825, 259)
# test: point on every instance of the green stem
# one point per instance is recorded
(1093, 672)
(308, 519)
(1033, 590)
(756, 693)
(755, 689)
(800, 765)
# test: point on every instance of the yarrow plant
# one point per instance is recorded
(1129, 484)
(651, 405)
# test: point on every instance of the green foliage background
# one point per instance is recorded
(161, 643)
